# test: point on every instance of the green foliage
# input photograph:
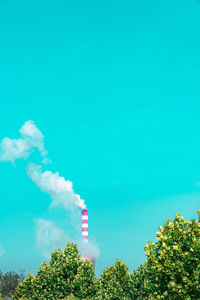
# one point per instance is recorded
(173, 262)
(8, 283)
(64, 275)
(172, 271)
(138, 283)
(73, 298)
(116, 282)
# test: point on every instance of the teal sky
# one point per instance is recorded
(114, 88)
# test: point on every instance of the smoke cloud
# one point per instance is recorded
(49, 237)
(89, 248)
(31, 137)
(60, 190)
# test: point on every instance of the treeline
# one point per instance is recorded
(171, 271)
(8, 283)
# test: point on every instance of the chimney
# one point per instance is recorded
(85, 225)
(85, 235)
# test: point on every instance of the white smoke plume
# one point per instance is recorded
(89, 248)
(1, 251)
(31, 137)
(60, 190)
(49, 237)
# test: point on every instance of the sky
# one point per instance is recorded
(113, 86)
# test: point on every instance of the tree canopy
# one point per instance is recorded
(171, 271)
(173, 262)
(64, 275)
(9, 281)
(116, 282)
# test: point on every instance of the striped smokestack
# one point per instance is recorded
(85, 256)
(85, 224)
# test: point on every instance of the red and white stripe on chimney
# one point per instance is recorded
(85, 224)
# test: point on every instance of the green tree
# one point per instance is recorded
(9, 281)
(66, 274)
(173, 262)
(116, 282)
(139, 283)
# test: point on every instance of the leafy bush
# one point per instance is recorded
(73, 298)
(116, 282)
(173, 262)
(138, 283)
(64, 275)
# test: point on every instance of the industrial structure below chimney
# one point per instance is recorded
(85, 235)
